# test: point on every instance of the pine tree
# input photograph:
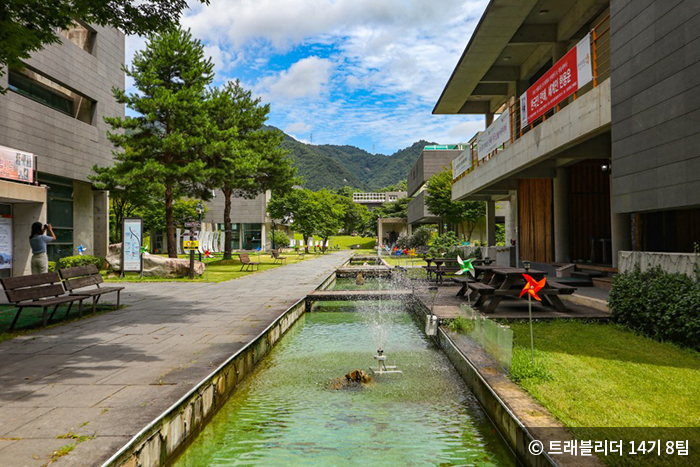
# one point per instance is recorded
(164, 147)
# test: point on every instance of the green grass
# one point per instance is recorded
(603, 375)
(346, 241)
(218, 269)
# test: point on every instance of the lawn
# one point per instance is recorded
(603, 375)
(346, 241)
(219, 270)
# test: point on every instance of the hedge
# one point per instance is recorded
(80, 260)
(658, 304)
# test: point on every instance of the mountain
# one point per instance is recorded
(331, 166)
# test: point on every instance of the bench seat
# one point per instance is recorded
(76, 279)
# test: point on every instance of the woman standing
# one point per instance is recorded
(38, 241)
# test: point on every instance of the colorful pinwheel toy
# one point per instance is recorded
(207, 254)
(81, 249)
(258, 249)
(144, 250)
(532, 287)
(465, 265)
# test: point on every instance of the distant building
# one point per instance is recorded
(51, 134)
(373, 200)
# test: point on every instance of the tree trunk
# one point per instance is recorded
(306, 243)
(170, 222)
(228, 235)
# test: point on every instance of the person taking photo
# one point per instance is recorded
(38, 240)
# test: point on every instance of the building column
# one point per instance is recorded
(489, 119)
(83, 218)
(100, 207)
(491, 222)
(379, 232)
(621, 233)
(560, 201)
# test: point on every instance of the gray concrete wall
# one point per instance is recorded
(23, 216)
(655, 57)
(418, 212)
(65, 146)
(242, 210)
(100, 210)
(683, 263)
(83, 218)
(428, 164)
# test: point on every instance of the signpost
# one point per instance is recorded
(191, 246)
(567, 76)
(132, 236)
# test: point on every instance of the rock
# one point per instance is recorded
(359, 280)
(155, 266)
(358, 376)
(353, 380)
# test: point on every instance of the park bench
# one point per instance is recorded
(483, 290)
(247, 263)
(80, 277)
(277, 257)
(39, 291)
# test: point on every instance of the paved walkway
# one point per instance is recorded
(110, 375)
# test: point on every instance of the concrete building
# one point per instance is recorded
(52, 132)
(607, 164)
(374, 200)
(250, 222)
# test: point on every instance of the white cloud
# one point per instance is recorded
(306, 78)
(297, 127)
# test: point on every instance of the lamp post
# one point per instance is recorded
(200, 211)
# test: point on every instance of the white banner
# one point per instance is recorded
(495, 135)
(5, 242)
(132, 235)
(461, 163)
(583, 61)
(16, 165)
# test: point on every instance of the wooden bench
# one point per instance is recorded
(80, 277)
(277, 257)
(464, 282)
(483, 290)
(39, 291)
(247, 263)
(561, 289)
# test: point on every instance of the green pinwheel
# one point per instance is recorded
(465, 265)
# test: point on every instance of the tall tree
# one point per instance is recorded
(245, 158)
(164, 146)
(464, 214)
(331, 216)
(299, 209)
(26, 26)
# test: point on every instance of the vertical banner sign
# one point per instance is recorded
(461, 164)
(16, 165)
(132, 234)
(568, 75)
(5, 243)
(495, 135)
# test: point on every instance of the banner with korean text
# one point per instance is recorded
(461, 163)
(568, 75)
(16, 165)
(497, 134)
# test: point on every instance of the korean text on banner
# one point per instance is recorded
(16, 165)
(133, 233)
(495, 135)
(461, 163)
(568, 75)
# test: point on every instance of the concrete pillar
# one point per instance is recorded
(379, 232)
(83, 218)
(491, 222)
(621, 232)
(511, 218)
(100, 209)
(489, 119)
(561, 189)
(23, 216)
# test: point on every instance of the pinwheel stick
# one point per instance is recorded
(532, 337)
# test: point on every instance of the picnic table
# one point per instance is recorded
(482, 274)
(507, 282)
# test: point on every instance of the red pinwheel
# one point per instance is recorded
(207, 254)
(532, 286)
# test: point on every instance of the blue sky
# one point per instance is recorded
(359, 72)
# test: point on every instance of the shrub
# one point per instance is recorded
(444, 243)
(52, 266)
(659, 305)
(80, 260)
(461, 325)
(279, 238)
(421, 236)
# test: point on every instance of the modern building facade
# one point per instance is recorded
(51, 121)
(374, 200)
(592, 164)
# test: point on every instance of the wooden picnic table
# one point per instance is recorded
(509, 282)
(482, 274)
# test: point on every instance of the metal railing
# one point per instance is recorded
(600, 62)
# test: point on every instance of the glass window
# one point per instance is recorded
(251, 236)
(81, 35)
(59, 215)
(44, 90)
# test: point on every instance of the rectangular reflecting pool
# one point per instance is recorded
(289, 411)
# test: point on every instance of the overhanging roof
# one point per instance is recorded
(513, 39)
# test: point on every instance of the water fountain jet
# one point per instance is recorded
(382, 367)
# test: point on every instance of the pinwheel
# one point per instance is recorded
(207, 254)
(144, 250)
(465, 266)
(81, 250)
(532, 287)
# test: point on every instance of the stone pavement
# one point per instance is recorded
(108, 376)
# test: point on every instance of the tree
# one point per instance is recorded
(331, 214)
(27, 26)
(356, 215)
(184, 210)
(464, 214)
(298, 208)
(164, 147)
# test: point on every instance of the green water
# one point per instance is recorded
(286, 413)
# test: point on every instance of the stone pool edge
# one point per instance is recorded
(163, 439)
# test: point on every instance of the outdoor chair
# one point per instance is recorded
(247, 263)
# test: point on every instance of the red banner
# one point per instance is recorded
(567, 76)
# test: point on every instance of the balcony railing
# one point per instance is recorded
(445, 147)
(600, 63)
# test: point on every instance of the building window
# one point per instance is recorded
(59, 215)
(44, 90)
(81, 35)
(252, 236)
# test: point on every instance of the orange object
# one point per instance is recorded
(532, 286)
